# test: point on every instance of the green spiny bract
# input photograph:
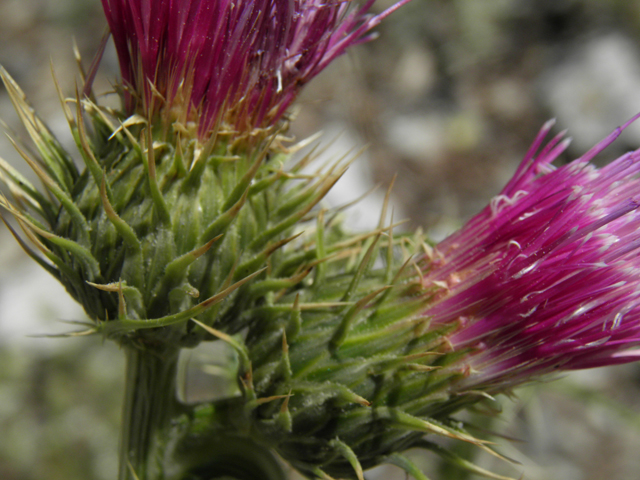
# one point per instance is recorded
(344, 372)
(159, 227)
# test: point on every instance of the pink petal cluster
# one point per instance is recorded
(238, 61)
(547, 276)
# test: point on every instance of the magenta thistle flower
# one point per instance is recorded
(238, 61)
(546, 276)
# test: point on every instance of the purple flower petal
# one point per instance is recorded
(238, 61)
(547, 276)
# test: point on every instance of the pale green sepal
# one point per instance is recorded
(130, 297)
(45, 207)
(349, 316)
(405, 464)
(320, 250)
(57, 163)
(261, 288)
(403, 420)
(295, 321)
(69, 246)
(265, 183)
(284, 420)
(349, 455)
(238, 346)
(81, 253)
(320, 392)
(261, 258)
(295, 203)
(63, 197)
(123, 228)
(82, 141)
(177, 268)
(149, 162)
(55, 273)
(65, 270)
(223, 221)
(285, 361)
(242, 187)
(458, 461)
(363, 267)
(127, 325)
(322, 190)
(317, 471)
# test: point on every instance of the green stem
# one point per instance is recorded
(149, 404)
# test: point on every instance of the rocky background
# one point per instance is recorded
(449, 99)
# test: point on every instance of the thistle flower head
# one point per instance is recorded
(240, 62)
(169, 219)
(347, 375)
(151, 234)
(547, 276)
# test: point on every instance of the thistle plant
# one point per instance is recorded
(192, 220)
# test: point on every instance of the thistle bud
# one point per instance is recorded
(184, 198)
(347, 373)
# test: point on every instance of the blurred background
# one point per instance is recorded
(448, 98)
